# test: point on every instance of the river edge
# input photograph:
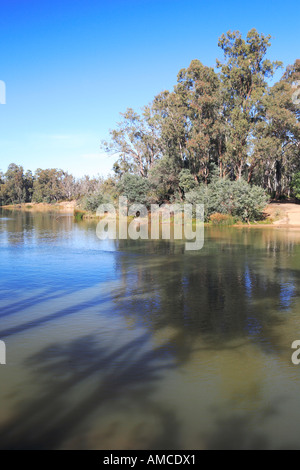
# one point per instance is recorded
(280, 215)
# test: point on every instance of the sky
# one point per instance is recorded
(71, 66)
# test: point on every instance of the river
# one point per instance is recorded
(139, 344)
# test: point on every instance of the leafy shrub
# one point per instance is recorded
(249, 201)
(91, 202)
(186, 180)
(135, 188)
(236, 198)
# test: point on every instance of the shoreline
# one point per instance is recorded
(281, 215)
(65, 206)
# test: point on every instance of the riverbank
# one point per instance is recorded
(283, 214)
(64, 206)
(277, 214)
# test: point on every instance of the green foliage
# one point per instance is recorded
(236, 198)
(15, 185)
(47, 185)
(186, 181)
(249, 201)
(295, 185)
(135, 141)
(135, 188)
(164, 180)
(91, 202)
(243, 76)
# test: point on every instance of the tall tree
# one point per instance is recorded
(199, 88)
(243, 76)
(14, 188)
(135, 140)
(47, 186)
(277, 143)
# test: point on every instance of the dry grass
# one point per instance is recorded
(65, 206)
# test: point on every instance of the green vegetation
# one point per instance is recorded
(223, 137)
(296, 185)
(90, 202)
(236, 198)
(78, 215)
(135, 188)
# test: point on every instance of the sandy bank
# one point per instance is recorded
(65, 207)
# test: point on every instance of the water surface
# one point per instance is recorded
(122, 344)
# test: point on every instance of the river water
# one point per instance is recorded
(123, 344)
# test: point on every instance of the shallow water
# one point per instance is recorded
(143, 345)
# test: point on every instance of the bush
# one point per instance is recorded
(236, 198)
(135, 188)
(92, 201)
(186, 181)
(249, 201)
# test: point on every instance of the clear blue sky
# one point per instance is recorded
(70, 66)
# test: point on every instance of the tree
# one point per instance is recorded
(295, 185)
(87, 185)
(48, 185)
(277, 135)
(164, 179)
(68, 186)
(243, 76)
(135, 140)
(199, 89)
(15, 188)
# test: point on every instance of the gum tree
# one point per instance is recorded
(243, 74)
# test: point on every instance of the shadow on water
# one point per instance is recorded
(58, 314)
(32, 301)
(238, 290)
(54, 414)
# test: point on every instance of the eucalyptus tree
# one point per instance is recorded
(244, 77)
(199, 89)
(135, 140)
(171, 115)
(48, 185)
(14, 188)
(276, 148)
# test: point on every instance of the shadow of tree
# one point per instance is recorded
(82, 379)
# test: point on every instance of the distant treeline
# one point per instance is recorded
(50, 185)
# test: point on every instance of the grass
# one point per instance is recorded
(221, 219)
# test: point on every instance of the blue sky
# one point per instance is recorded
(71, 67)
